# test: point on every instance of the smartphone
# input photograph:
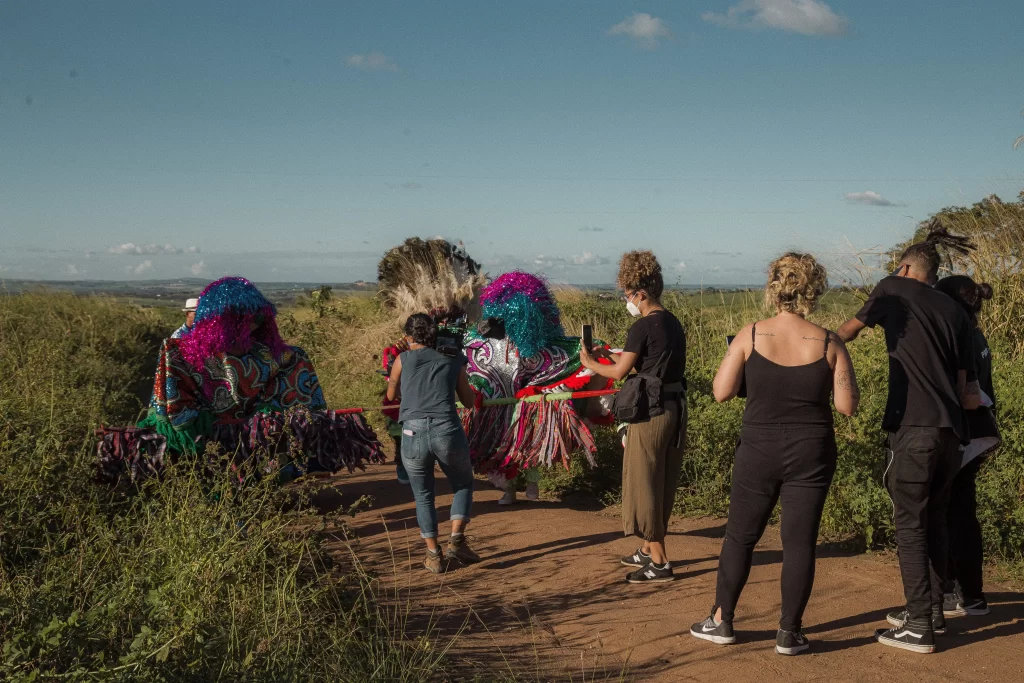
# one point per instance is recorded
(588, 338)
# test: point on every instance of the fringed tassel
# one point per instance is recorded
(314, 441)
(509, 438)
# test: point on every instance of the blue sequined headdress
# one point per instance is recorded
(525, 304)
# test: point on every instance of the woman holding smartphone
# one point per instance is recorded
(653, 455)
(790, 368)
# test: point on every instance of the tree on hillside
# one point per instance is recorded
(996, 228)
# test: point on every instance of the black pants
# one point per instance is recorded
(965, 544)
(921, 464)
(793, 464)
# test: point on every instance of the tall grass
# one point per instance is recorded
(187, 581)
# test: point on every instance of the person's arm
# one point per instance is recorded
(729, 377)
(967, 386)
(849, 330)
(394, 380)
(845, 393)
(970, 392)
(872, 313)
(620, 366)
(464, 390)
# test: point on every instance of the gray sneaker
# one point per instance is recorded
(790, 642)
(719, 633)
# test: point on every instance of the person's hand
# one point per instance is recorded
(585, 358)
(601, 353)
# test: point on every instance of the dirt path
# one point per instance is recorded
(551, 595)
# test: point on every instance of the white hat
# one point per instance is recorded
(191, 305)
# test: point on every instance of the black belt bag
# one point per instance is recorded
(643, 394)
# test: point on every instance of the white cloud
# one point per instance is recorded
(198, 268)
(71, 269)
(868, 198)
(193, 250)
(141, 249)
(643, 29)
(585, 259)
(372, 61)
(4, 269)
(681, 265)
(143, 267)
(588, 259)
(808, 17)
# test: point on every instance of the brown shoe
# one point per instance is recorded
(458, 549)
(434, 561)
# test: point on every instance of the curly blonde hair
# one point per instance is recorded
(795, 283)
(641, 270)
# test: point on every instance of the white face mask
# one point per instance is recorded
(632, 307)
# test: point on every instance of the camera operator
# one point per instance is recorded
(427, 382)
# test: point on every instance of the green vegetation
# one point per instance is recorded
(185, 582)
(188, 581)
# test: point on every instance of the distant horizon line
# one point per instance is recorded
(313, 284)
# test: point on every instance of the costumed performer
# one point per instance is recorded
(233, 381)
(521, 350)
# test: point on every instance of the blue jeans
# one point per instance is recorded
(439, 440)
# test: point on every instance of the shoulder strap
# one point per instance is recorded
(753, 335)
(826, 343)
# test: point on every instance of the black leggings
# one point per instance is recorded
(794, 463)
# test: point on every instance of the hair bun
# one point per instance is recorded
(985, 290)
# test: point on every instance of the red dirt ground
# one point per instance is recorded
(549, 600)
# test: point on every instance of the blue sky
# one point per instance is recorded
(298, 141)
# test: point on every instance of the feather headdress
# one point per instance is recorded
(430, 275)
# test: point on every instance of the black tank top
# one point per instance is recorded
(779, 394)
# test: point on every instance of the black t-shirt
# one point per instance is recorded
(983, 364)
(650, 336)
(982, 421)
(929, 338)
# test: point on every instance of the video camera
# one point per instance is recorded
(450, 334)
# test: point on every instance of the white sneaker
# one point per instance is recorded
(509, 498)
(532, 491)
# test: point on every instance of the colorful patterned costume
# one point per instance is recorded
(522, 351)
(234, 382)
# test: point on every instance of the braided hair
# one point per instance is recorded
(925, 255)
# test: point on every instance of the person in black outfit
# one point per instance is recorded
(931, 373)
(791, 368)
(964, 594)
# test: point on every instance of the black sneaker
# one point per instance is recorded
(975, 607)
(652, 573)
(790, 642)
(953, 605)
(915, 635)
(637, 559)
(709, 629)
(899, 617)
